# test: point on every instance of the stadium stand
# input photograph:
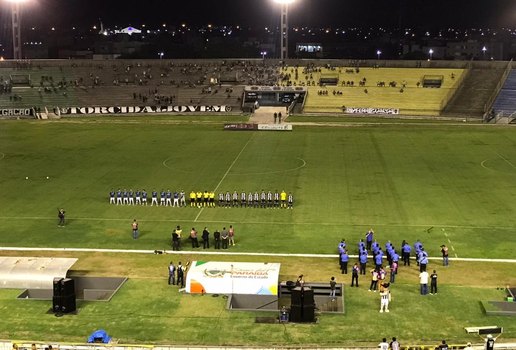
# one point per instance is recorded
(506, 100)
(129, 83)
(479, 83)
(393, 88)
(461, 88)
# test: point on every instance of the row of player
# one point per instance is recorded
(204, 199)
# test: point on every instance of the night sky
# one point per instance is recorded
(346, 13)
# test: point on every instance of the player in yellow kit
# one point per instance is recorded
(283, 196)
(198, 196)
(192, 199)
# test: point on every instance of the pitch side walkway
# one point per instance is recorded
(9, 345)
(221, 252)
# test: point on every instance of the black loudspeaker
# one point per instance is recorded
(64, 304)
(57, 287)
(56, 303)
(68, 304)
(295, 297)
(308, 296)
(296, 313)
(67, 286)
(308, 313)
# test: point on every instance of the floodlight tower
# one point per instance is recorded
(16, 27)
(284, 27)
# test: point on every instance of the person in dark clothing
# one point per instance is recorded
(61, 216)
(180, 275)
(433, 283)
(225, 238)
(205, 238)
(216, 236)
(175, 241)
(443, 345)
(354, 275)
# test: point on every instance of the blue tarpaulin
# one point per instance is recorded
(99, 336)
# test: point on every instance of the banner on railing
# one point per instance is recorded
(16, 112)
(275, 127)
(260, 127)
(145, 109)
(370, 110)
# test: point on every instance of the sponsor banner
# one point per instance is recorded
(275, 88)
(144, 109)
(241, 126)
(233, 278)
(275, 127)
(16, 112)
(361, 110)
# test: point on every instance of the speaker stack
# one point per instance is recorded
(63, 300)
(302, 305)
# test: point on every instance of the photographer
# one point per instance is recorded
(61, 216)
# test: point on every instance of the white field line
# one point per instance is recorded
(505, 159)
(449, 242)
(226, 174)
(190, 252)
(256, 222)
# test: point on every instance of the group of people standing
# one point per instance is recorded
(221, 239)
(199, 199)
(381, 279)
(176, 274)
(263, 199)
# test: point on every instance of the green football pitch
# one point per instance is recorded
(440, 183)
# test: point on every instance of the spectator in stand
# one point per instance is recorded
(490, 342)
(383, 345)
(395, 345)
(443, 345)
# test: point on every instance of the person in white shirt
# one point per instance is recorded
(383, 345)
(423, 281)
